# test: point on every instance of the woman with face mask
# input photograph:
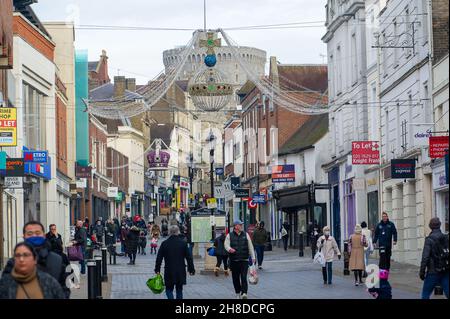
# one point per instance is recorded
(328, 246)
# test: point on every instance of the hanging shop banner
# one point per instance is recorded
(365, 153)
(259, 199)
(112, 192)
(212, 203)
(13, 182)
(82, 183)
(3, 160)
(14, 167)
(438, 146)
(403, 168)
(283, 173)
(242, 192)
(8, 127)
(35, 156)
(235, 183)
(219, 171)
(252, 204)
(83, 171)
(184, 182)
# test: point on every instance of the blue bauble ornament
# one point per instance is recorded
(210, 60)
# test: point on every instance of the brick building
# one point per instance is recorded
(118, 174)
(98, 72)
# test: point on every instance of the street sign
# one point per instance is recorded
(13, 182)
(242, 192)
(403, 168)
(8, 127)
(35, 156)
(365, 153)
(235, 183)
(14, 167)
(219, 171)
(283, 173)
(112, 191)
(259, 199)
(252, 204)
(438, 146)
(211, 203)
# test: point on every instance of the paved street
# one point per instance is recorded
(285, 276)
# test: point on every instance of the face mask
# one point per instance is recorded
(327, 233)
(36, 241)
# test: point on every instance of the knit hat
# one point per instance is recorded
(435, 223)
(358, 229)
(326, 228)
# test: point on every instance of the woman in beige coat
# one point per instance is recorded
(328, 246)
(356, 245)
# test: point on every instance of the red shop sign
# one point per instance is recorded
(438, 146)
(365, 153)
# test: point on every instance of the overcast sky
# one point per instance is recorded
(139, 53)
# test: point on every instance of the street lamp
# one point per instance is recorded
(212, 145)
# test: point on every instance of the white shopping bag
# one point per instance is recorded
(252, 275)
(319, 258)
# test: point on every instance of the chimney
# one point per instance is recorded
(131, 85)
(119, 86)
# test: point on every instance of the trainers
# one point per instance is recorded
(356, 283)
(260, 267)
(244, 296)
(227, 273)
(238, 296)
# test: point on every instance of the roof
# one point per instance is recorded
(183, 85)
(106, 93)
(113, 125)
(24, 7)
(296, 76)
(307, 135)
(163, 132)
(92, 66)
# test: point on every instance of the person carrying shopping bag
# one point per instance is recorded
(356, 244)
(327, 245)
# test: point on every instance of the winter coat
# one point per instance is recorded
(99, 230)
(219, 244)
(368, 234)
(132, 242)
(384, 233)
(175, 252)
(328, 247)
(260, 237)
(51, 289)
(55, 242)
(81, 237)
(436, 237)
(356, 245)
(242, 244)
(123, 233)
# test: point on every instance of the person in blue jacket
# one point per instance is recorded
(385, 236)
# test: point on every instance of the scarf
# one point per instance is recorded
(28, 286)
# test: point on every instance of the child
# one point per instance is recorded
(142, 242)
(154, 244)
(385, 290)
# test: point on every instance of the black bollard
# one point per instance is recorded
(98, 261)
(300, 245)
(104, 265)
(92, 280)
(438, 291)
(346, 259)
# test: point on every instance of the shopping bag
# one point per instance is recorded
(211, 251)
(156, 284)
(74, 253)
(253, 275)
(319, 258)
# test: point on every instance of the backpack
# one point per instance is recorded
(440, 255)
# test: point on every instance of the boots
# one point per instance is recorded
(216, 271)
(227, 273)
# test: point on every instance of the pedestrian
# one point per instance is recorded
(47, 260)
(174, 252)
(221, 254)
(86, 225)
(434, 268)
(356, 244)
(55, 240)
(142, 242)
(260, 237)
(154, 244)
(26, 281)
(187, 231)
(369, 249)
(329, 248)
(313, 237)
(123, 237)
(110, 235)
(384, 233)
(240, 248)
(156, 230)
(285, 234)
(384, 291)
(99, 231)
(164, 227)
(132, 244)
(80, 239)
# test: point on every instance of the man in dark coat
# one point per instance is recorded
(55, 240)
(132, 244)
(259, 241)
(384, 233)
(99, 231)
(221, 254)
(47, 261)
(174, 251)
(80, 239)
(434, 265)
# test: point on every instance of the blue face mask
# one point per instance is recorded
(36, 241)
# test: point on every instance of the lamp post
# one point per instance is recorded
(212, 144)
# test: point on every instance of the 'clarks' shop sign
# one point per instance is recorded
(403, 168)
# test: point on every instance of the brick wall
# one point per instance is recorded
(440, 29)
(119, 176)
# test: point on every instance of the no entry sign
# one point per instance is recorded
(365, 153)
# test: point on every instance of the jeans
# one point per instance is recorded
(132, 257)
(83, 262)
(191, 247)
(433, 280)
(239, 271)
(223, 259)
(327, 272)
(122, 247)
(179, 291)
(259, 254)
(285, 242)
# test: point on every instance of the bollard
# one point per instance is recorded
(104, 265)
(346, 259)
(438, 291)
(98, 268)
(92, 279)
(300, 245)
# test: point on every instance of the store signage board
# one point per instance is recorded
(35, 156)
(283, 173)
(235, 183)
(219, 171)
(8, 127)
(403, 168)
(438, 146)
(13, 182)
(212, 203)
(14, 167)
(242, 192)
(113, 192)
(365, 153)
(83, 171)
(259, 199)
(82, 183)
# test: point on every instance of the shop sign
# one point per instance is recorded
(235, 183)
(283, 173)
(252, 204)
(8, 127)
(184, 183)
(365, 153)
(259, 199)
(13, 182)
(14, 167)
(83, 171)
(438, 146)
(82, 183)
(35, 156)
(242, 192)
(403, 168)
(212, 203)
(372, 182)
(112, 192)
(359, 184)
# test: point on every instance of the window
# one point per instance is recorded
(332, 75)
(33, 103)
(264, 98)
(396, 37)
(338, 70)
(354, 60)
